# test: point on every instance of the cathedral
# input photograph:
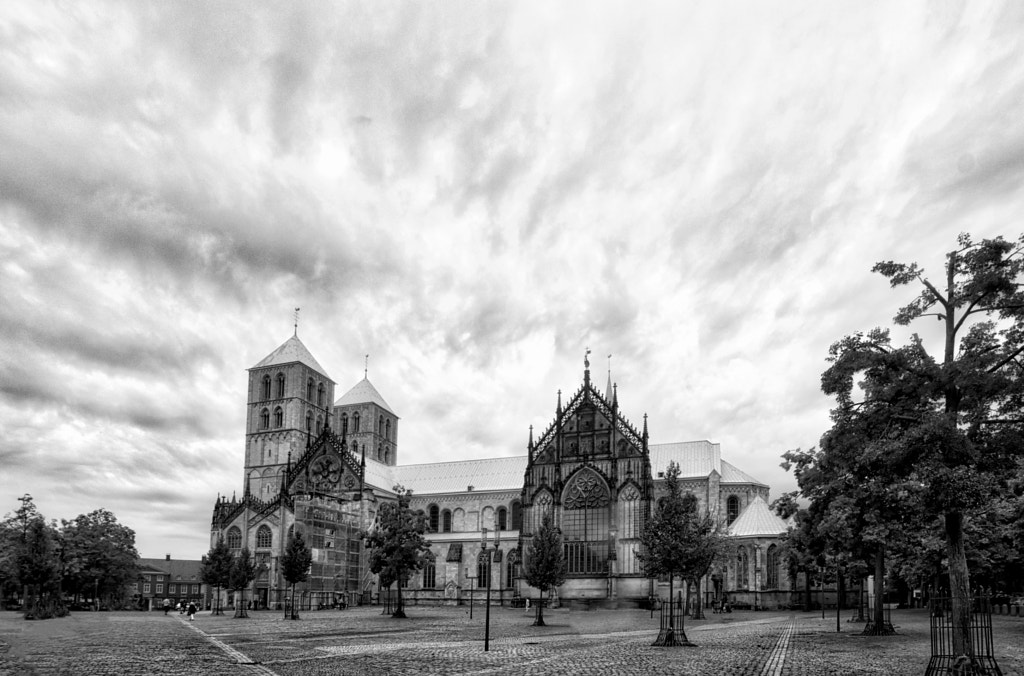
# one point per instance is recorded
(323, 466)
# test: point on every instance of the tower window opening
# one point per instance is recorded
(266, 387)
(280, 385)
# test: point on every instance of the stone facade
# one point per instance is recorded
(325, 467)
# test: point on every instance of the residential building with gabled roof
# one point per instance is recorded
(324, 465)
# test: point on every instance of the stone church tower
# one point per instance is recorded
(290, 398)
(363, 417)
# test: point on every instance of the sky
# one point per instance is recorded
(473, 194)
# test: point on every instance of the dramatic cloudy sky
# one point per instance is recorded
(472, 193)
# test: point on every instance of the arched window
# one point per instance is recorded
(278, 417)
(309, 390)
(380, 426)
(732, 508)
(429, 571)
(264, 419)
(309, 422)
(510, 571)
(387, 456)
(387, 429)
(234, 538)
(280, 385)
(742, 568)
(585, 523)
(266, 387)
(772, 567)
(355, 421)
(483, 560)
(502, 518)
(319, 424)
(320, 395)
(344, 424)
(446, 521)
(264, 538)
(435, 515)
(517, 515)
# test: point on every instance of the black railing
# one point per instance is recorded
(976, 657)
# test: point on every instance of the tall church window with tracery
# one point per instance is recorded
(234, 538)
(772, 567)
(320, 395)
(280, 386)
(264, 419)
(483, 568)
(742, 568)
(429, 571)
(278, 417)
(355, 421)
(264, 538)
(585, 523)
(266, 387)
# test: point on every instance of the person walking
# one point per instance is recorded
(191, 612)
(167, 606)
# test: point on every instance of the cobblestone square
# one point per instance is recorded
(447, 641)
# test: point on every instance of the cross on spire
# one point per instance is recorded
(296, 316)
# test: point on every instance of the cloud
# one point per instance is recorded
(473, 195)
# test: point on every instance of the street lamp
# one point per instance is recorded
(488, 554)
(612, 556)
(470, 578)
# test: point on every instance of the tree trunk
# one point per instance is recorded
(539, 622)
(877, 626)
(959, 584)
(399, 610)
(240, 609)
(860, 600)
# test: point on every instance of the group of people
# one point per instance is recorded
(182, 607)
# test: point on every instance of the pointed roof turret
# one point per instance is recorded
(291, 351)
(364, 392)
(758, 520)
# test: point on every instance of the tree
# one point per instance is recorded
(678, 541)
(396, 543)
(38, 570)
(99, 557)
(216, 570)
(295, 565)
(544, 567)
(31, 560)
(242, 573)
(952, 416)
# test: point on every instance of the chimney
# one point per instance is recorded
(168, 557)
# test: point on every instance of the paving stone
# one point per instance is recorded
(446, 640)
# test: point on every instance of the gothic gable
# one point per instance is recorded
(328, 466)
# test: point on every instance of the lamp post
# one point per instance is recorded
(471, 578)
(612, 556)
(488, 554)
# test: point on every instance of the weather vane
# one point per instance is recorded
(586, 358)
(366, 367)
(296, 321)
